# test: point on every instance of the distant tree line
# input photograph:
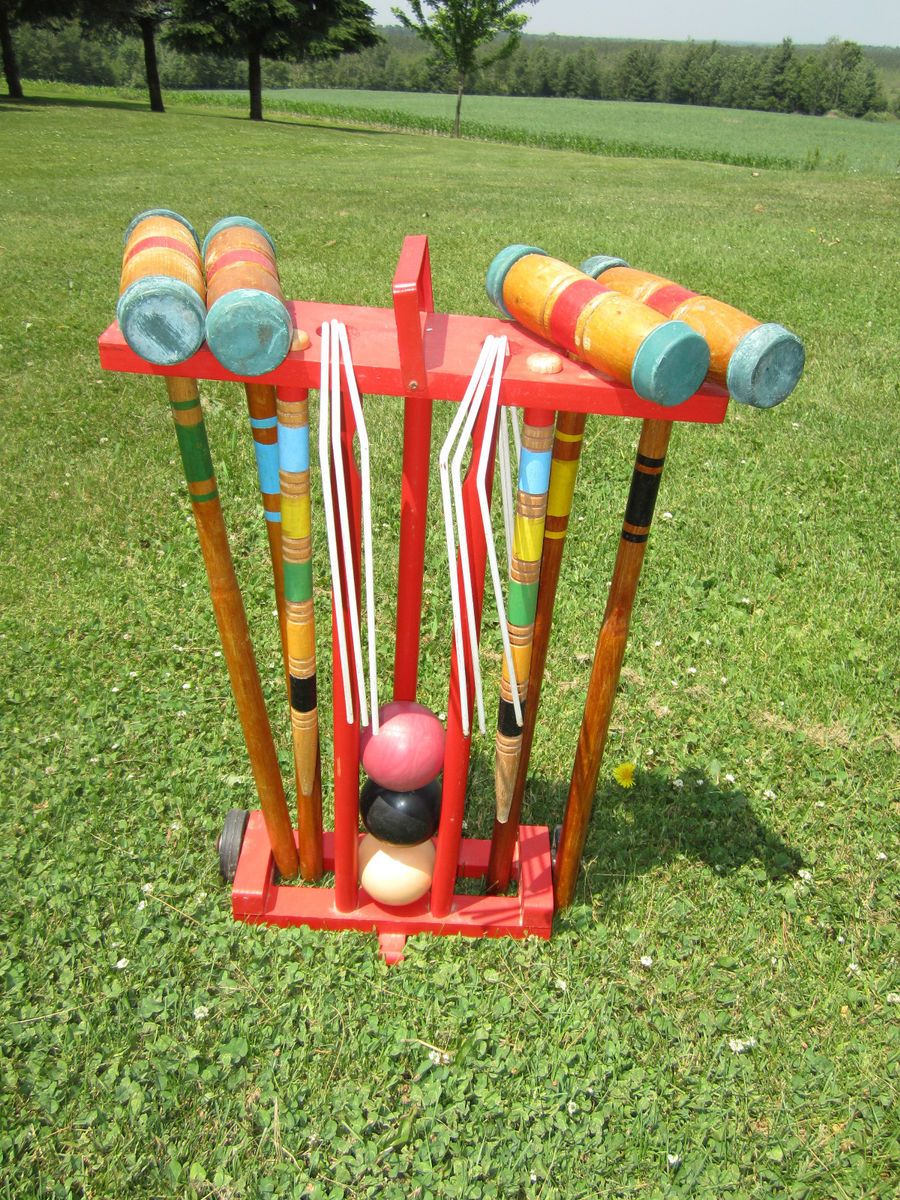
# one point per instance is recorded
(784, 78)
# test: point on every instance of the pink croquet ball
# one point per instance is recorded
(408, 750)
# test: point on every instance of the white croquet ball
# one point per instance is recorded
(395, 875)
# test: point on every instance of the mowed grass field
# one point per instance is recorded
(717, 1014)
(636, 130)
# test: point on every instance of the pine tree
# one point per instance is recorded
(284, 30)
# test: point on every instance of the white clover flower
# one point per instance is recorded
(646, 960)
(741, 1045)
(674, 1161)
(185, 687)
(121, 964)
(678, 783)
(571, 1108)
(657, 642)
(768, 794)
(147, 889)
(667, 516)
(881, 856)
(562, 985)
(200, 1011)
(115, 689)
(893, 998)
(142, 905)
(853, 968)
(434, 1056)
(729, 778)
(692, 670)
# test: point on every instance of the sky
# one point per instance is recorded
(870, 22)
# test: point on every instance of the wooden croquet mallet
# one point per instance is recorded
(608, 655)
(149, 303)
(663, 361)
(567, 445)
(162, 295)
(296, 542)
(528, 538)
(248, 326)
(231, 619)
(759, 364)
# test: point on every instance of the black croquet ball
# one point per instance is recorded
(402, 818)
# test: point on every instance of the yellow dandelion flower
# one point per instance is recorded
(624, 774)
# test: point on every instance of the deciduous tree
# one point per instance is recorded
(457, 29)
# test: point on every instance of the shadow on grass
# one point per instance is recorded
(301, 121)
(8, 104)
(637, 830)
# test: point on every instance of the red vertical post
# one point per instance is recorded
(458, 745)
(346, 736)
(413, 301)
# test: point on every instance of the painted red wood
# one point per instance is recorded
(413, 303)
(451, 345)
(258, 899)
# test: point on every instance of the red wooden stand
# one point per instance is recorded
(412, 352)
(258, 899)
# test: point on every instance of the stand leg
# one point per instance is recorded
(609, 653)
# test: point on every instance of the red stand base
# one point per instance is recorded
(257, 899)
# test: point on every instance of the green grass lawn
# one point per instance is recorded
(717, 1015)
(636, 130)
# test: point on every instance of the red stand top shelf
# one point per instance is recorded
(411, 351)
(451, 345)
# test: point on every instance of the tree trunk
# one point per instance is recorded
(10, 66)
(148, 33)
(459, 95)
(254, 82)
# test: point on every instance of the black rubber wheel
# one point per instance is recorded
(230, 841)
(554, 842)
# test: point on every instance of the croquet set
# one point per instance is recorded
(604, 339)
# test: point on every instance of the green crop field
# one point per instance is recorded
(717, 1014)
(636, 130)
